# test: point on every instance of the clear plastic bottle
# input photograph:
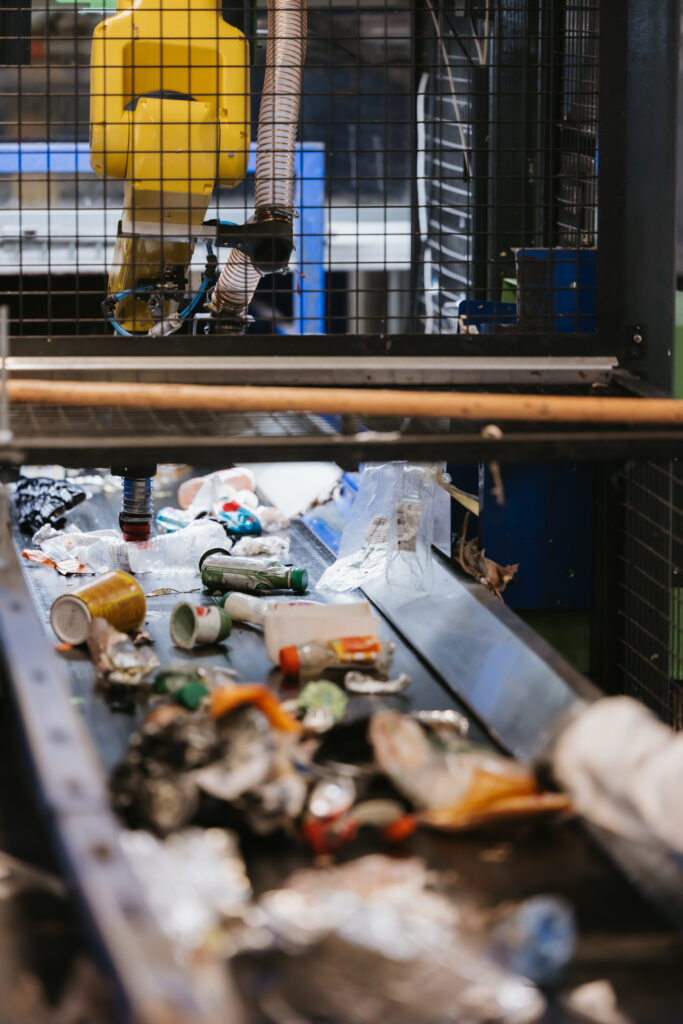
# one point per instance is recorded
(176, 552)
(343, 652)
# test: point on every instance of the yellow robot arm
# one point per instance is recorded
(169, 114)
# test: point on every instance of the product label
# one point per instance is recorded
(363, 649)
(378, 531)
(117, 599)
(250, 581)
(408, 515)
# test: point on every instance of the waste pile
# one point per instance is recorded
(324, 756)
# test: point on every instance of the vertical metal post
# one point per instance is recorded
(637, 181)
(5, 432)
(5, 436)
(308, 297)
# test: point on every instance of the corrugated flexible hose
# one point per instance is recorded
(277, 127)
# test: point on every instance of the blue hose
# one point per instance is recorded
(204, 286)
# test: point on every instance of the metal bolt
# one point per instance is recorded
(638, 339)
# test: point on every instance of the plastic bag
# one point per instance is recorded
(390, 529)
(100, 549)
(409, 555)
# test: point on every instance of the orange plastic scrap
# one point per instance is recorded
(39, 557)
(401, 828)
(511, 807)
(227, 698)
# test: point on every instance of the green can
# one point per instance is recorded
(220, 571)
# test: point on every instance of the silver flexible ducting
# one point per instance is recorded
(277, 127)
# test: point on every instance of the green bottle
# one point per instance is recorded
(220, 571)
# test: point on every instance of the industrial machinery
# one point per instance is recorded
(169, 99)
(169, 115)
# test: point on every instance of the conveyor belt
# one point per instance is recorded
(561, 860)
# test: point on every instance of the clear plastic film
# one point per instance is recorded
(390, 529)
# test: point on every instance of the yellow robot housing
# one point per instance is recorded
(169, 114)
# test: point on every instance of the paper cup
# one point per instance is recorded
(192, 626)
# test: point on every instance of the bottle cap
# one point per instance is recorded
(289, 660)
(212, 551)
(300, 580)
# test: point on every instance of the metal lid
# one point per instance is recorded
(70, 618)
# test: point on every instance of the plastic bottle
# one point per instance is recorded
(220, 571)
(291, 623)
(176, 552)
(536, 939)
(342, 652)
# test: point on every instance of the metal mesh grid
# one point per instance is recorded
(111, 422)
(649, 625)
(446, 154)
(507, 168)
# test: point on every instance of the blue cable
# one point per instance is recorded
(204, 286)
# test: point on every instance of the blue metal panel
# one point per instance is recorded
(327, 521)
(309, 199)
(308, 298)
(556, 287)
(45, 158)
(486, 316)
(546, 524)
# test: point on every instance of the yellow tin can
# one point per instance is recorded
(114, 596)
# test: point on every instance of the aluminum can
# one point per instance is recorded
(114, 596)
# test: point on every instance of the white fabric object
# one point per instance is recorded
(623, 770)
(656, 792)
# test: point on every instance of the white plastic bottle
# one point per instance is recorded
(287, 623)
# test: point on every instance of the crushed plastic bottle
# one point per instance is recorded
(179, 551)
(102, 550)
(341, 652)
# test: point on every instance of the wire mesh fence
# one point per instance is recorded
(443, 179)
(649, 621)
